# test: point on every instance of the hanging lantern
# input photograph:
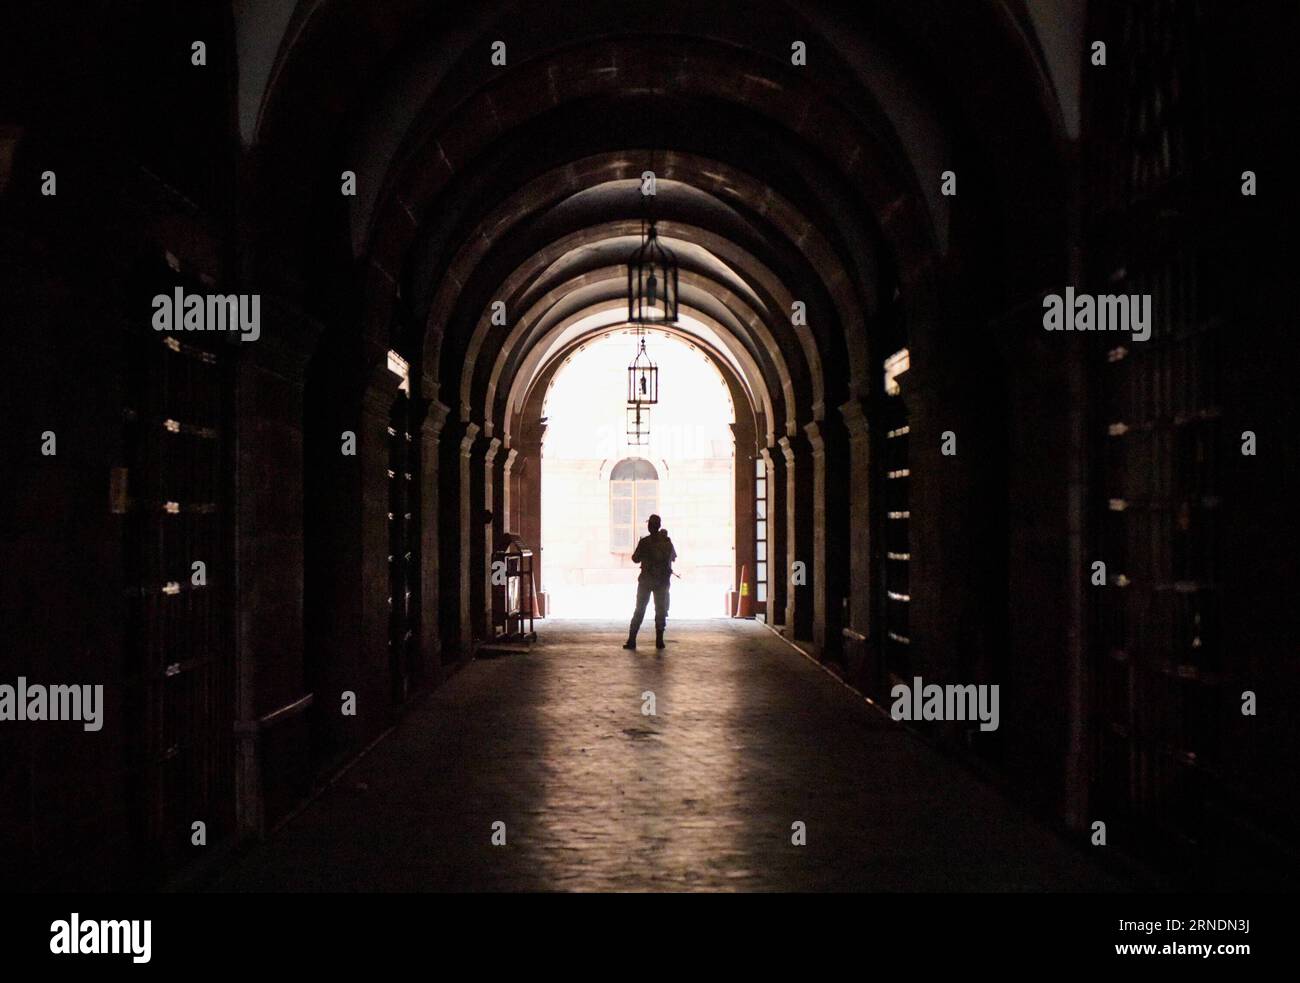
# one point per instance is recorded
(638, 424)
(642, 379)
(652, 283)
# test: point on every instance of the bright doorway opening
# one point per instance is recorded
(599, 486)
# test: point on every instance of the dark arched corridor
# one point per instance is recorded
(272, 545)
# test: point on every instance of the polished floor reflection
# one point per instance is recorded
(748, 737)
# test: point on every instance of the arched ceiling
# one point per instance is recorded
(780, 186)
(591, 329)
(695, 327)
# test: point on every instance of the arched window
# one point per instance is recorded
(633, 497)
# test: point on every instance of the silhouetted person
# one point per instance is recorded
(655, 553)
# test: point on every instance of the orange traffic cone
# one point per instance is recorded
(745, 602)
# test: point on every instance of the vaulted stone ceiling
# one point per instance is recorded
(778, 182)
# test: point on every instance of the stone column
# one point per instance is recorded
(817, 581)
(526, 500)
(465, 538)
(270, 680)
(859, 499)
(745, 456)
(778, 563)
(799, 474)
(508, 492)
(837, 533)
(861, 563)
(488, 528)
(430, 432)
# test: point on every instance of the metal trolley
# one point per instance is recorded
(514, 593)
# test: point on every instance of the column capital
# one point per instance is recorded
(530, 434)
(815, 439)
(529, 447)
(855, 418)
(288, 339)
(743, 439)
(381, 391)
(787, 449)
(429, 389)
(802, 445)
(468, 433)
(434, 417)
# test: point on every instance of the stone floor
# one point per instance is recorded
(749, 737)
